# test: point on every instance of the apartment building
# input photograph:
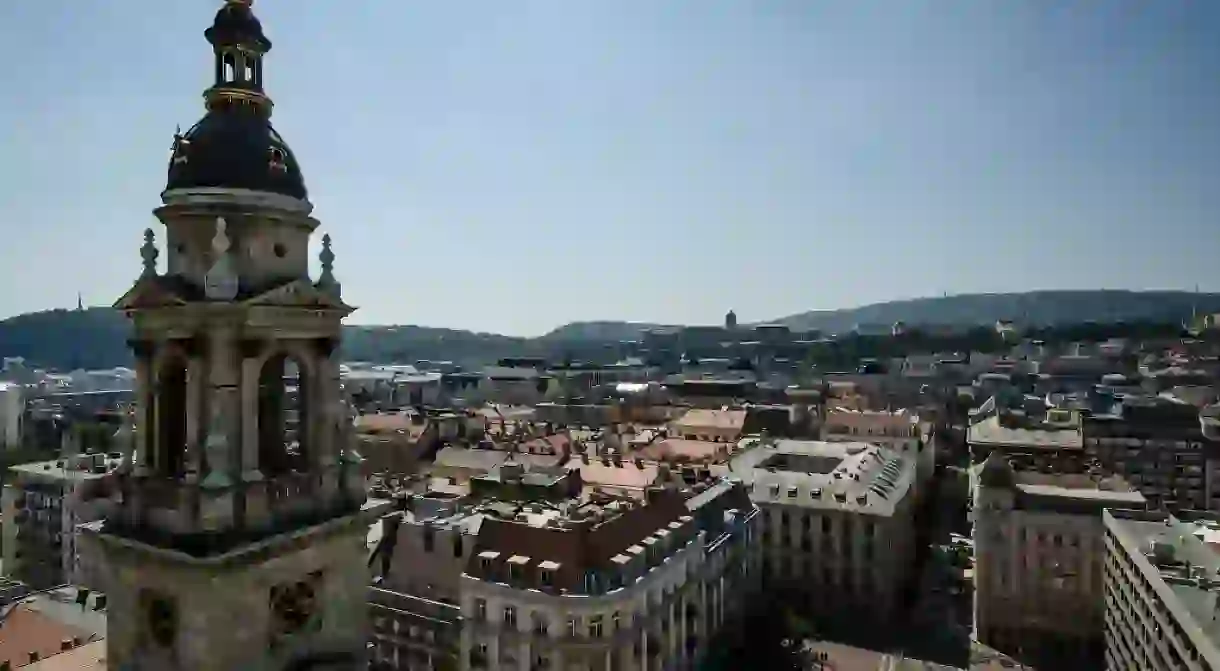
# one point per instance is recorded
(1039, 549)
(464, 581)
(1158, 445)
(42, 504)
(1162, 592)
(416, 619)
(1052, 443)
(899, 430)
(718, 426)
(595, 585)
(837, 527)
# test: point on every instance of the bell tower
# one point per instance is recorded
(239, 542)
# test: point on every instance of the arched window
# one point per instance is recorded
(169, 455)
(283, 417)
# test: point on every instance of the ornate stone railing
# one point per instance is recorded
(159, 509)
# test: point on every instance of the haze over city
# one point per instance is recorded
(509, 167)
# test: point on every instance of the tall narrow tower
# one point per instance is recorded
(240, 539)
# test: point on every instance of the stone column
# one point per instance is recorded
(254, 511)
(145, 429)
(326, 414)
(220, 434)
(196, 381)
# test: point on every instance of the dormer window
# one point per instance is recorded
(278, 159)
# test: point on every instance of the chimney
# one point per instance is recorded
(65, 644)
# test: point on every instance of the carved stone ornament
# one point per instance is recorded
(216, 446)
(294, 606)
(160, 618)
(220, 283)
(149, 253)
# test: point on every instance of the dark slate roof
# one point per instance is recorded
(236, 24)
(233, 146)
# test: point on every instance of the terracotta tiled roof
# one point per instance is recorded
(88, 657)
(25, 630)
(390, 423)
(626, 474)
(693, 450)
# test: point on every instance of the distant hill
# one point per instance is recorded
(1042, 308)
(97, 337)
(605, 331)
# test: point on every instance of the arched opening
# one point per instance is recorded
(169, 456)
(229, 68)
(283, 416)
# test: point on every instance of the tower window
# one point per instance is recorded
(278, 158)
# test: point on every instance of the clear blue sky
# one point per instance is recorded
(512, 165)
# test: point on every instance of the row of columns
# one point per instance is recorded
(222, 405)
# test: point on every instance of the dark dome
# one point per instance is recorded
(235, 147)
(235, 24)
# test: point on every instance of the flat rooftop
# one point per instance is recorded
(1181, 553)
(861, 477)
(993, 432)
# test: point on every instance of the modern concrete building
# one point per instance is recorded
(1162, 597)
(838, 525)
(1039, 548)
(237, 542)
(42, 504)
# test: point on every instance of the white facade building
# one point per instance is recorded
(12, 414)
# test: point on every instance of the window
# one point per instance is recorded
(614, 621)
(547, 577)
(539, 624)
(510, 617)
(480, 609)
(457, 546)
(595, 626)
(429, 539)
(572, 625)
